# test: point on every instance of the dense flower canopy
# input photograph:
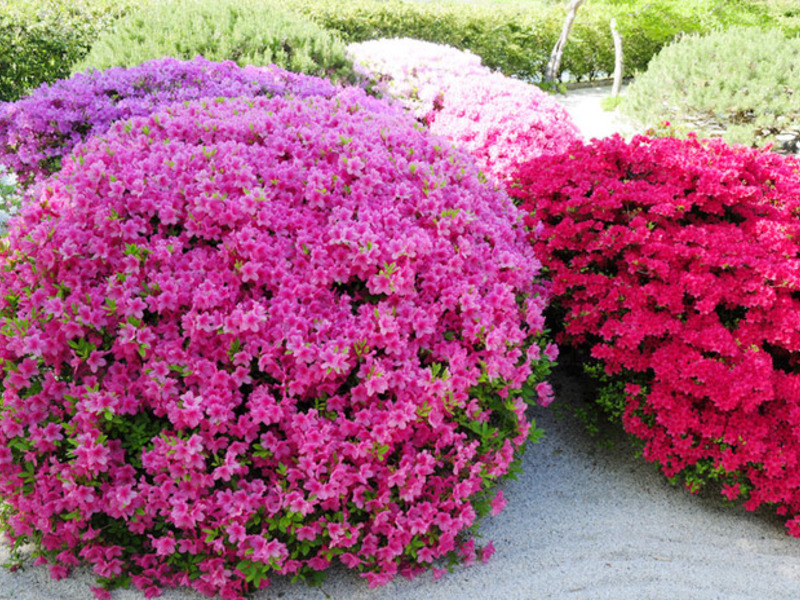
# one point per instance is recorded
(250, 336)
(675, 262)
(414, 71)
(502, 122)
(37, 131)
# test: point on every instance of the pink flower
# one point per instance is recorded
(164, 546)
(101, 593)
(249, 271)
(487, 552)
(498, 503)
(58, 571)
(545, 393)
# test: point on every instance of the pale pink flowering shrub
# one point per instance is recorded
(37, 131)
(413, 71)
(253, 337)
(502, 122)
(675, 264)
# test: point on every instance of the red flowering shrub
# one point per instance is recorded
(250, 337)
(676, 263)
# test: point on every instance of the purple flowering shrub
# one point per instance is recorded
(251, 337)
(502, 122)
(40, 129)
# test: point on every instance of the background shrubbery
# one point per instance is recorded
(257, 32)
(517, 39)
(42, 39)
(741, 84)
(45, 38)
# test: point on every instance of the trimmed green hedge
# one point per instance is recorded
(42, 39)
(517, 39)
(257, 32)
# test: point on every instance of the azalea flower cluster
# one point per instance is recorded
(414, 71)
(255, 336)
(40, 129)
(502, 122)
(675, 263)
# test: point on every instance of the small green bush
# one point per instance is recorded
(257, 32)
(741, 84)
(41, 39)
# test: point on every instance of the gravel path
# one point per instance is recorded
(583, 105)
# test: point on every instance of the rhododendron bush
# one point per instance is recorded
(254, 336)
(37, 131)
(675, 263)
(502, 122)
(414, 71)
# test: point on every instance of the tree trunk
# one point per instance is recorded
(617, 58)
(554, 65)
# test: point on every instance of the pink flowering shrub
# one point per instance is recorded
(255, 336)
(502, 122)
(40, 129)
(413, 71)
(675, 263)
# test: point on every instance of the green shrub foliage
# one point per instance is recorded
(41, 39)
(740, 84)
(518, 38)
(256, 32)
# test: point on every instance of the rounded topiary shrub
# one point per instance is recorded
(740, 84)
(256, 32)
(252, 337)
(501, 121)
(414, 71)
(37, 131)
(675, 263)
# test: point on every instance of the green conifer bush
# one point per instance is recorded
(740, 84)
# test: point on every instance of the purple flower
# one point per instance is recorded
(38, 131)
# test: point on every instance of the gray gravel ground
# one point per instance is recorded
(583, 522)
